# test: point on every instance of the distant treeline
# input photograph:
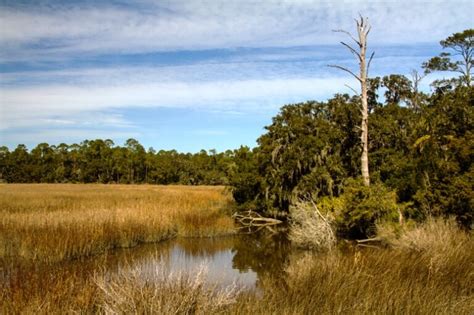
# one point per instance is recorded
(101, 161)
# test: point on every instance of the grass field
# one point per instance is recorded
(428, 269)
(51, 223)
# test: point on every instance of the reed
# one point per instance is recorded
(371, 281)
(52, 223)
(428, 269)
(383, 281)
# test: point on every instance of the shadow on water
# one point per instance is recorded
(247, 260)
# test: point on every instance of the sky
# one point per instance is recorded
(191, 75)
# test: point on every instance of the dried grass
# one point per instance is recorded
(57, 222)
(309, 229)
(133, 292)
(369, 281)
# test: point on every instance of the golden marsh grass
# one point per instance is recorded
(63, 221)
(429, 270)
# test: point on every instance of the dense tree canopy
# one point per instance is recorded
(424, 154)
(100, 161)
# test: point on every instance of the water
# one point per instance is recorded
(244, 260)
(249, 261)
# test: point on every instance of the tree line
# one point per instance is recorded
(101, 161)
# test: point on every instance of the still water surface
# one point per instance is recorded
(244, 259)
(247, 260)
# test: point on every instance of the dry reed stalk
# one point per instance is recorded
(309, 228)
(132, 291)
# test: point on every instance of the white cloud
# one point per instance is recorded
(47, 31)
(62, 104)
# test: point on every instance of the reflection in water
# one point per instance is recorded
(248, 260)
(265, 254)
(189, 256)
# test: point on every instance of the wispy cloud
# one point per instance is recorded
(58, 30)
(35, 106)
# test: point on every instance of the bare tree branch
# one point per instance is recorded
(352, 50)
(370, 60)
(368, 30)
(347, 70)
(353, 90)
(348, 34)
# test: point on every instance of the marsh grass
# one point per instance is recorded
(373, 281)
(132, 292)
(428, 269)
(52, 223)
(384, 281)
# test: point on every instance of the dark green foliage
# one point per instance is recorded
(99, 161)
(421, 147)
(423, 154)
(443, 152)
(458, 58)
(244, 177)
(308, 149)
(359, 207)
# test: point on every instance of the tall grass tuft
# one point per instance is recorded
(310, 229)
(158, 292)
(434, 235)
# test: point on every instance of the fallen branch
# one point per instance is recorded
(368, 240)
(369, 246)
(254, 219)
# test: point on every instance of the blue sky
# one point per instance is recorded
(191, 75)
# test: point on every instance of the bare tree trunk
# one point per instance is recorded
(415, 97)
(363, 29)
(364, 126)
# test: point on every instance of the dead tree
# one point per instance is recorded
(363, 29)
(416, 79)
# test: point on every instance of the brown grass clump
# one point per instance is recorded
(310, 229)
(433, 235)
(133, 292)
(437, 239)
(57, 222)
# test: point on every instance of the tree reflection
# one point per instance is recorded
(266, 254)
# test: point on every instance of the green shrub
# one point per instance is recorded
(359, 208)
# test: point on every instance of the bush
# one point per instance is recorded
(359, 208)
(309, 228)
(434, 235)
(155, 291)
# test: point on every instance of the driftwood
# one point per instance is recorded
(368, 240)
(374, 242)
(369, 246)
(253, 219)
